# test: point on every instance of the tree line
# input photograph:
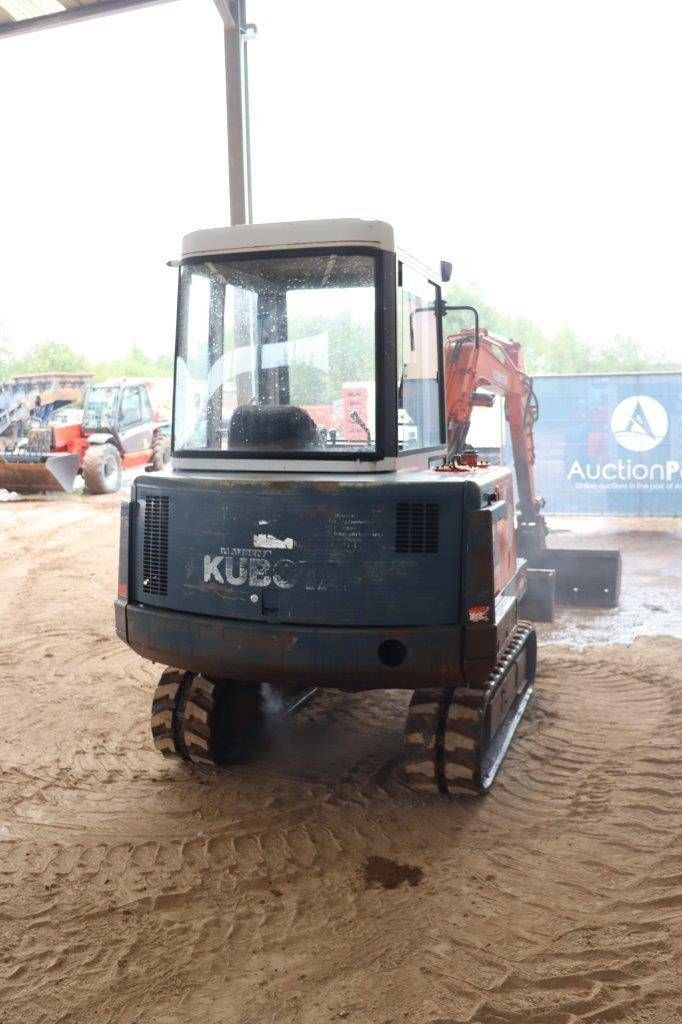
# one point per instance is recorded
(54, 355)
(563, 352)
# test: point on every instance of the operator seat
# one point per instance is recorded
(272, 427)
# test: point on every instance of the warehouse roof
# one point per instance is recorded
(25, 15)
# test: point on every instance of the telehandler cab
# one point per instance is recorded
(313, 530)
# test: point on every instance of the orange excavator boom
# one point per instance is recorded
(478, 365)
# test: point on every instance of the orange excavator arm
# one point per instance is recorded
(479, 359)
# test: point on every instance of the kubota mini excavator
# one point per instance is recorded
(317, 528)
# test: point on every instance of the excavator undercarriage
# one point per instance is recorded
(456, 738)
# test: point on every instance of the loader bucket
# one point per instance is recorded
(585, 577)
(36, 473)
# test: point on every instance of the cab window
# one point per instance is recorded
(419, 401)
(131, 411)
(146, 405)
(277, 353)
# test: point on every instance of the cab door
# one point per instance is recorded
(134, 427)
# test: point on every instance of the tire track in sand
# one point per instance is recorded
(132, 890)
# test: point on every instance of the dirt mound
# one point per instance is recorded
(134, 891)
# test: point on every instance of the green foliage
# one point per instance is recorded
(135, 363)
(351, 358)
(52, 355)
(625, 351)
(308, 385)
(564, 352)
(5, 362)
(351, 352)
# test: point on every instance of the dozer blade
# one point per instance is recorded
(28, 473)
(584, 577)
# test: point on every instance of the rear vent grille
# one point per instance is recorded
(416, 529)
(155, 546)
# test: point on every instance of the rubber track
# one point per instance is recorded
(197, 724)
(444, 729)
(424, 734)
(169, 698)
(463, 750)
(188, 720)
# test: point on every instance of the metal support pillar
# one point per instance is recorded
(238, 133)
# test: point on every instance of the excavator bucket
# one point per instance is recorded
(585, 578)
(37, 473)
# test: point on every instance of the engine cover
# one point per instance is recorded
(308, 549)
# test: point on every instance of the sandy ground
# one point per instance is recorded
(133, 891)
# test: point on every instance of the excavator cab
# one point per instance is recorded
(312, 531)
(294, 353)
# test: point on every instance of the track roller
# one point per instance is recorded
(456, 738)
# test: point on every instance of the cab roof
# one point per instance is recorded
(119, 382)
(289, 235)
(301, 234)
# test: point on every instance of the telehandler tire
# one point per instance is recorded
(102, 469)
(160, 452)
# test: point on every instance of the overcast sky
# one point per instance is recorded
(535, 144)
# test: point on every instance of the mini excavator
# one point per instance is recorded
(322, 523)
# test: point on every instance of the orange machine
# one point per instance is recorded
(478, 359)
(118, 430)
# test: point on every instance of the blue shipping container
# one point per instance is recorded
(610, 444)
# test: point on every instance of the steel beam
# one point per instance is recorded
(236, 29)
(67, 17)
(238, 127)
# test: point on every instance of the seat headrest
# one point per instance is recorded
(271, 427)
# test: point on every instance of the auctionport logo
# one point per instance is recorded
(639, 423)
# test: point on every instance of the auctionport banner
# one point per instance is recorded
(611, 444)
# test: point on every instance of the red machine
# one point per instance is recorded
(478, 359)
(118, 431)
